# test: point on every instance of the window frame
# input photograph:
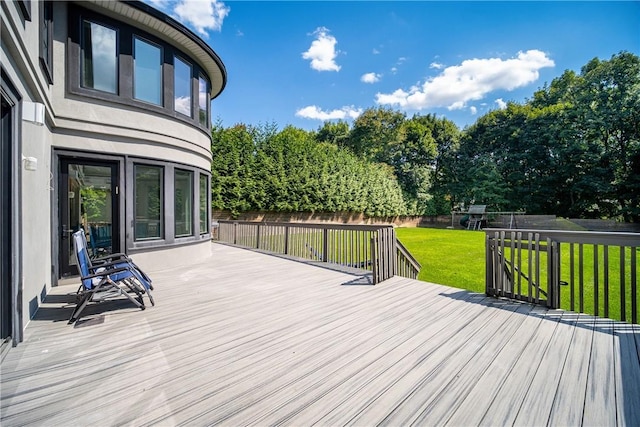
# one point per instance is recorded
(135, 38)
(82, 58)
(25, 8)
(207, 205)
(191, 78)
(193, 174)
(126, 34)
(169, 238)
(45, 53)
(207, 84)
(14, 100)
(162, 219)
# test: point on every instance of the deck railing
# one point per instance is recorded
(588, 272)
(367, 247)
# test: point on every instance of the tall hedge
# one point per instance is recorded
(259, 168)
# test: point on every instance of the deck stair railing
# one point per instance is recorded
(374, 248)
(588, 272)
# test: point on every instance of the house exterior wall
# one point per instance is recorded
(19, 59)
(86, 127)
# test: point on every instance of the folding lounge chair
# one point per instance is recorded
(105, 281)
(116, 259)
(120, 260)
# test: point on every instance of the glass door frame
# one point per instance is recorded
(11, 216)
(61, 235)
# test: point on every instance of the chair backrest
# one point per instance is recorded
(100, 236)
(82, 257)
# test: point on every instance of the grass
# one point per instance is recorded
(457, 258)
(448, 257)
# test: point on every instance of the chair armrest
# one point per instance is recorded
(108, 266)
(104, 273)
(108, 258)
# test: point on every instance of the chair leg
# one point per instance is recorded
(146, 290)
(87, 296)
(139, 282)
(153, 303)
(135, 288)
(143, 275)
(79, 307)
(137, 301)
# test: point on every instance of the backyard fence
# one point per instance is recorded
(588, 272)
(373, 248)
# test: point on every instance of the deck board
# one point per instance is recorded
(509, 397)
(600, 394)
(540, 394)
(246, 338)
(627, 375)
(450, 398)
(569, 401)
(494, 375)
(461, 348)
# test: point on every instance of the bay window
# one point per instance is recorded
(115, 62)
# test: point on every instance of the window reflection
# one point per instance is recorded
(183, 203)
(204, 217)
(203, 99)
(148, 195)
(99, 59)
(147, 73)
(96, 45)
(182, 86)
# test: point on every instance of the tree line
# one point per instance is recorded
(261, 168)
(571, 150)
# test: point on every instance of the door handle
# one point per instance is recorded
(65, 232)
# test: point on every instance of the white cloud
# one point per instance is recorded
(472, 80)
(376, 51)
(104, 43)
(202, 15)
(183, 105)
(322, 51)
(370, 78)
(394, 70)
(436, 65)
(501, 104)
(473, 110)
(316, 113)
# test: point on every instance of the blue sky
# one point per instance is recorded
(301, 63)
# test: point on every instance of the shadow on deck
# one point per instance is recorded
(246, 338)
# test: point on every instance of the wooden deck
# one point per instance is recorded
(253, 339)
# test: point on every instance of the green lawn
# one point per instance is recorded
(448, 257)
(457, 258)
